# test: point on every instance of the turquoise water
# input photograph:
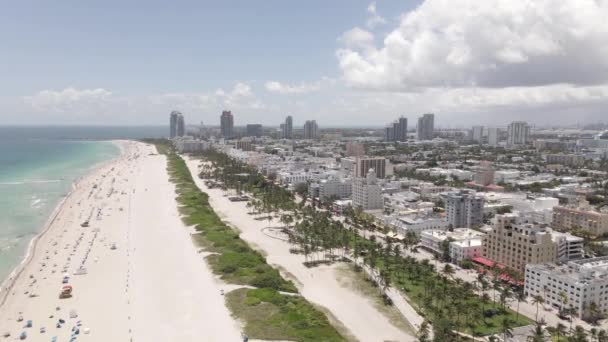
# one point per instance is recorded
(36, 172)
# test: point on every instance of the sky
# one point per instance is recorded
(340, 62)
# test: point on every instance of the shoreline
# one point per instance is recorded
(8, 283)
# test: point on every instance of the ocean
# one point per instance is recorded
(37, 168)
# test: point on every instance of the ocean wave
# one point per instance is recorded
(41, 181)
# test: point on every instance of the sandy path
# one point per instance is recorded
(319, 285)
(151, 287)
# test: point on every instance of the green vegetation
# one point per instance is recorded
(272, 316)
(449, 304)
(268, 314)
(234, 260)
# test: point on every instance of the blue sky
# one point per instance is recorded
(342, 62)
(174, 46)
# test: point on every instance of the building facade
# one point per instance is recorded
(177, 126)
(518, 134)
(477, 134)
(363, 165)
(288, 128)
(493, 136)
(367, 193)
(594, 222)
(332, 187)
(484, 174)
(426, 126)
(516, 245)
(580, 284)
(464, 209)
(227, 124)
(311, 129)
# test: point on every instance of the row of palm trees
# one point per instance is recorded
(449, 303)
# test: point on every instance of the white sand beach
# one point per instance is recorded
(319, 285)
(134, 271)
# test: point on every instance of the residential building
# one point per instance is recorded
(579, 283)
(463, 243)
(227, 124)
(518, 134)
(288, 128)
(378, 164)
(367, 193)
(417, 225)
(354, 149)
(464, 209)
(484, 174)
(389, 133)
(426, 126)
(331, 187)
(401, 129)
(189, 145)
(311, 129)
(594, 222)
(254, 130)
(176, 125)
(493, 136)
(515, 245)
(573, 160)
(244, 145)
(477, 134)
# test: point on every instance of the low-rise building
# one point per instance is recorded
(463, 243)
(580, 282)
(594, 222)
(417, 225)
(332, 187)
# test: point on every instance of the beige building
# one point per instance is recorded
(594, 222)
(515, 245)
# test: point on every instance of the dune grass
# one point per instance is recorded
(272, 316)
(266, 313)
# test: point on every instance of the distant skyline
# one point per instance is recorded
(345, 63)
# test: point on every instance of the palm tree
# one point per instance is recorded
(602, 336)
(579, 335)
(536, 300)
(506, 325)
(520, 296)
(560, 330)
(538, 334)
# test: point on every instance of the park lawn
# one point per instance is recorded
(270, 315)
(491, 325)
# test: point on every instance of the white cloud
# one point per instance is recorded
(302, 88)
(471, 43)
(375, 18)
(67, 99)
(283, 88)
(357, 38)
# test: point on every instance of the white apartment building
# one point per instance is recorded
(191, 145)
(504, 176)
(367, 193)
(293, 179)
(332, 187)
(582, 281)
(417, 225)
(464, 243)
